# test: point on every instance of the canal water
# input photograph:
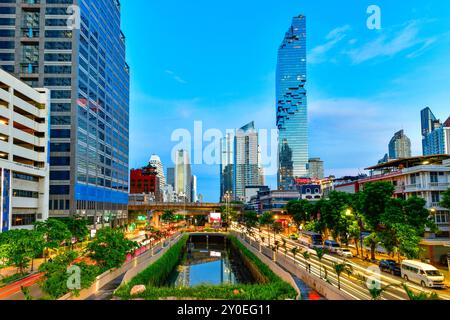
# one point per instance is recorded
(210, 260)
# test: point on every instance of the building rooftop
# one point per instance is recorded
(412, 162)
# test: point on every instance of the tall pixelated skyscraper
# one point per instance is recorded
(292, 112)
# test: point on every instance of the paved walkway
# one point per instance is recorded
(107, 291)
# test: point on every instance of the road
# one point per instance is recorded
(13, 291)
(355, 284)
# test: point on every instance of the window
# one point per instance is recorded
(59, 190)
(25, 194)
(434, 177)
(23, 219)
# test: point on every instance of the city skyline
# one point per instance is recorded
(357, 76)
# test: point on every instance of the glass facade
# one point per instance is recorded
(292, 113)
(83, 64)
(435, 135)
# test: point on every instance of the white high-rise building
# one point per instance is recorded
(246, 167)
(194, 196)
(155, 161)
(183, 176)
(24, 169)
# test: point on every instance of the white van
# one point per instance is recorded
(421, 273)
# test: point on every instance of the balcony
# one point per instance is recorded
(30, 34)
(413, 187)
(439, 186)
(29, 69)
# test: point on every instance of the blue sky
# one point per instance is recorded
(214, 61)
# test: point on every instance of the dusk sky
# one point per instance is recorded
(215, 61)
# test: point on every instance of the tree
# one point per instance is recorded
(250, 220)
(56, 275)
(372, 204)
(420, 296)
(299, 211)
(340, 268)
(307, 257)
(78, 227)
(266, 220)
(55, 232)
(20, 247)
(376, 292)
(110, 247)
(445, 202)
(320, 254)
(168, 217)
(295, 251)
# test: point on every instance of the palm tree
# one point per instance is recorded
(320, 254)
(420, 296)
(339, 268)
(307, 256)
(376, 292)
(294, 252)
(284, 247)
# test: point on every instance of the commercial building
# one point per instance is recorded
(146, 181)
(316, 169)
(292, 113)
(155, 161)
(400, 146)
(194, 196)
(171, 177)
(76, 49)
(435, 135)
(183, 176)
(24, 169)
(226, 165)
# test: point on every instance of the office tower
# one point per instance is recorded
(194, 196)
(400, 146)
(246, 167)
(292, 114)
(156, 162)
(435, 134)
(24, 170)
(183, 176)
(81, 58)
(146, 181)
(226, 165)
(171, 177)
(262, 178)
(316, 169)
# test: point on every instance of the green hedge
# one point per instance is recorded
(156, 275)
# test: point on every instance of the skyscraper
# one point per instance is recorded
(400, 146)
(292, 114)
(183, 176)
(246, 170)
(435, 134)
(171, 177)
(156, 162)
(226, 165)
(194, 197)
(81, 59)
(316, 169)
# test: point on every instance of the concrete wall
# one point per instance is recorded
(139, 263)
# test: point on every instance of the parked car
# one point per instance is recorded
(391, 267)
(331, 245)
(346, 253)
(421, 273)
(293, 236)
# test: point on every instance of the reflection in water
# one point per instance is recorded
(210, 261)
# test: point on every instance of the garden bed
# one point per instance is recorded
(270, 286)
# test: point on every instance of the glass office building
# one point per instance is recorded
(435, 134)
(76, 49)
(292, 113)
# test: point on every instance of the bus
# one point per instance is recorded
(311, 239)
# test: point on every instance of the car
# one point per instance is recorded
(331, 245)
(346, 253)
(391, 267)
(293, 236)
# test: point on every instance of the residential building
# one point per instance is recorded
(24, 169)
(183, 176)
(316, 169)
(155, 161)
(435, 135)
(400, 146)
(246, 170)
(292, 113)
(77, 49)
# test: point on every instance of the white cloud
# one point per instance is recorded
(176, 77)
(318, 54)
(389, 46)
